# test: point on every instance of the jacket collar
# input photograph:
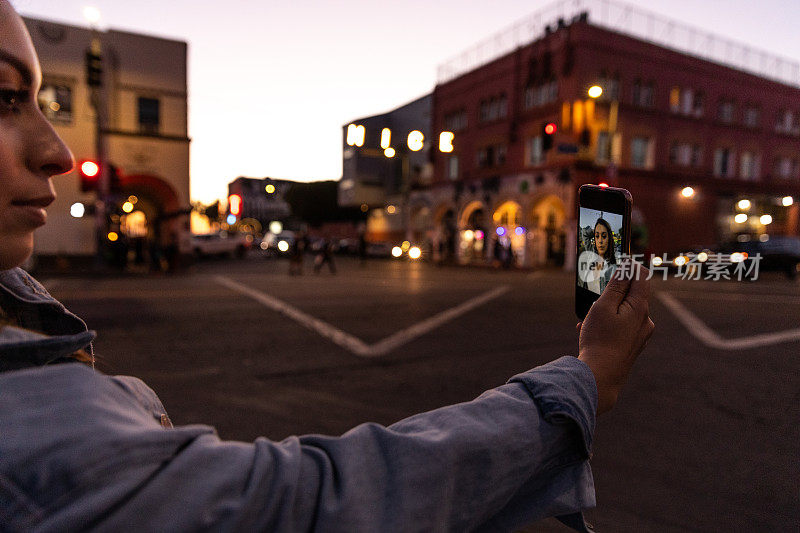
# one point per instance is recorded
(47, 331)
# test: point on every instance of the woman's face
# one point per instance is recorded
(601, 237)
(30, 151)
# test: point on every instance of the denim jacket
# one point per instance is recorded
(81, 450)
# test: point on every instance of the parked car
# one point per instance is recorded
(778, 253)
(222, 243)
(278, 243)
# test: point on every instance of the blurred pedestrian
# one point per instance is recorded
(297, 249)
(325, 250)
(81, 450)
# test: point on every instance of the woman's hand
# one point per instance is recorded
(615, 331)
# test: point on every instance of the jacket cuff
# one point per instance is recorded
(565, 391)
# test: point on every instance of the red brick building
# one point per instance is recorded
(666, 120)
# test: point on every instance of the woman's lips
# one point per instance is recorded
(33, 215)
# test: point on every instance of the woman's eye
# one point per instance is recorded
(10, 99)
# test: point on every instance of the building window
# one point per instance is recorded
(603, 147)
(492, 156)
(642, 152)
(686, 101)
(725, 111)
(539, 95)
(750, 117)
(452, 167)
(697, 155)
(786, 167)
(642, 94)
(149, 114)
(610, 85)
(55, 101)
(493, 108)
(533, 151)
(786, 123)
(724, 159)
(456, 121)
(680, 153)
(749, 166)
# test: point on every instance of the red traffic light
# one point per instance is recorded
(235, 204)
(550, 128)
(90, 169)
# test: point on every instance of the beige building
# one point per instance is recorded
(144, 93)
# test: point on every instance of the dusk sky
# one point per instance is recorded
(271, 83)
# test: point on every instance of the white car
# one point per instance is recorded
(221, 243)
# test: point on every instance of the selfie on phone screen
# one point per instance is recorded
(599, 247)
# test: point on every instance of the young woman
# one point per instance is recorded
(607, 259)
(80, 450)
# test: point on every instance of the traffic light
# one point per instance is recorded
(94, 68)
(548, 134)
(90, 175)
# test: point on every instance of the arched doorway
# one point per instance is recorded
(509, 234)
(548, 235)
(145, 212)
(472, 233)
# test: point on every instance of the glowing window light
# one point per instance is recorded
(446, 141)
(386, 138)
(416, 141)
(741, 218)
(355, 135)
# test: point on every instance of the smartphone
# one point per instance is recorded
(604, 237)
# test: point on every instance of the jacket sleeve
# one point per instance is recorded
(515, 454)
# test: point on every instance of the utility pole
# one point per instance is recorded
(94, 79)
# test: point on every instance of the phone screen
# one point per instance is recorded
(600, 247)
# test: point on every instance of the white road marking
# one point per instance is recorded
(712, 339)
(350, 342)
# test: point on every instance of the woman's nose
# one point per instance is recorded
(48, 155)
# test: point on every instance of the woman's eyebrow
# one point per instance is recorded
(20, 66)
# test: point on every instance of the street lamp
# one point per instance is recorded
(595, 91)
(687, 192)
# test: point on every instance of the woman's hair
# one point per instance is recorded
(609, 256)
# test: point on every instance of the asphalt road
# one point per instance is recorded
(704, 438)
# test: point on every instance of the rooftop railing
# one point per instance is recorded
(629, 20)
